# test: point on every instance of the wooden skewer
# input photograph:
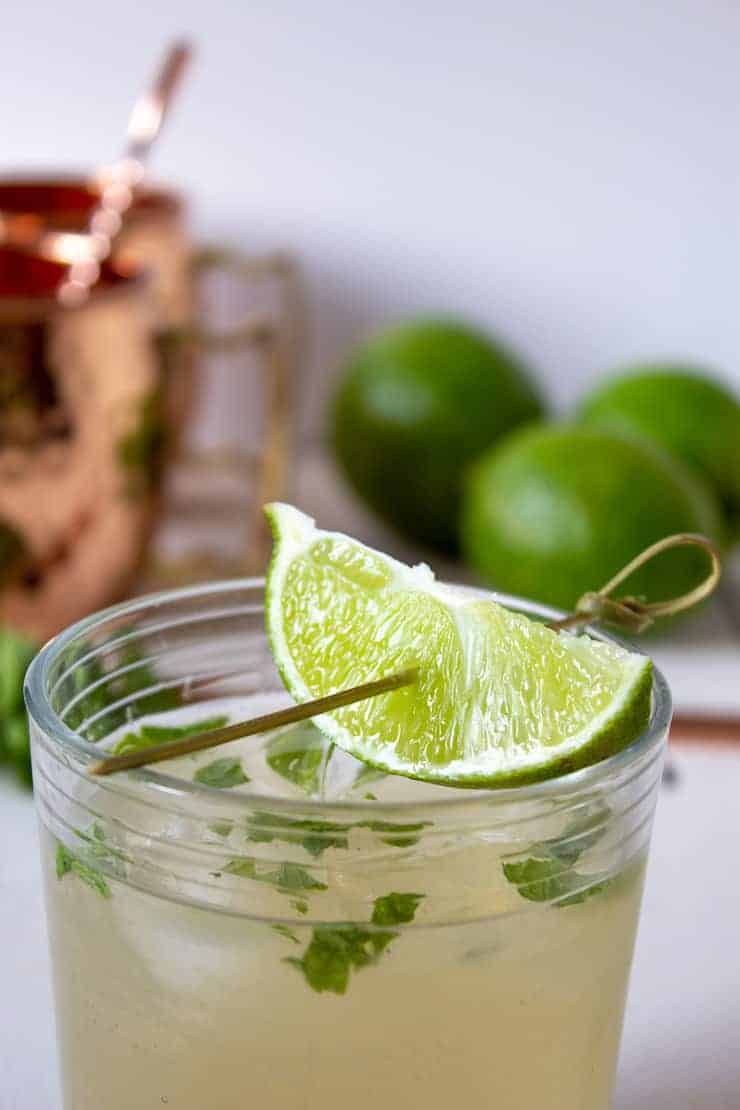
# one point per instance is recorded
(281, 717)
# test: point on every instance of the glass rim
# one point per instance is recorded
(166, 786)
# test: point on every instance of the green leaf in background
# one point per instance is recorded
(298, 755)
(221, 773)
(147, 736)
(68, 863)
(335, 951)
(16, 652)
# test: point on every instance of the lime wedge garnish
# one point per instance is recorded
(500, 699)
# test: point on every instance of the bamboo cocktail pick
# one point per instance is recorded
(258, 724)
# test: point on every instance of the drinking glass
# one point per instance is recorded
(378, 942)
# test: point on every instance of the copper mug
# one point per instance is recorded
(40, 213)
(80, 441)
(45, 213)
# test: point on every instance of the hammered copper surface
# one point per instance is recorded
(80, 438)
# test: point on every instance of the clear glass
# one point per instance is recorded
(389, 944)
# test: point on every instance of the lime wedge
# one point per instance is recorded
(500, 700)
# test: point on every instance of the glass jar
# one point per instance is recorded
(219, 948)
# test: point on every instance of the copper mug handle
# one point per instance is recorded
(271, 337)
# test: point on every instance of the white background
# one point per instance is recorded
(568, 173)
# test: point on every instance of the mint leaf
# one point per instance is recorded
(67, 863)
(221, 828)
(581, 834)
(288, 878)
(403, 835)
(116, 682)
(150, 735)
(539, 880)
(221, 773)
(548, 875)
(395, 909)
(298, 755)
(335, 951)
(314, 836)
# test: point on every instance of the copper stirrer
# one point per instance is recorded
(631, 613)
(120, 180)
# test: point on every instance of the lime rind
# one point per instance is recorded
(501, 700)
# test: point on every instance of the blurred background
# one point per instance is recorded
(438, 239)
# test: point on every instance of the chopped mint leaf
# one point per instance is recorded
(300, 905)
(298, 755)
(98, 848)
(550, 880)
(150, 735)
(221, 773)
(114, 693)
(586, 892)
(284, 931)
(288, 878)
(547, 875)
(539, 880)
(221, 828)
(581, 834)
(315, 836)
(370, 797)
(337, 950)
(68, 863)
(403, 835)
(395, 909)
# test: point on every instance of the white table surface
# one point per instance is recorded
(681, 1048)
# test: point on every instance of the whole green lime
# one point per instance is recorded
(685, 411)
(415, 405)
(557, 510)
